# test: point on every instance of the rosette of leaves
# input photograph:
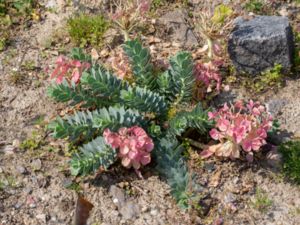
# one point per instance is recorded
(109, 102)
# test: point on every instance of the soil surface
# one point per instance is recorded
(38, 187)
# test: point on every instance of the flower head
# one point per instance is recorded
(134, 145)
(209, 75)
(239, 127)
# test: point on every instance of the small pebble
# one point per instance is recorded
(210, 167)
(21, 169)
(36, 164)
(235, 180)
(16, 143)
(229, 198)
(67, 182)
(32, 205)
(144, 209)
(18, 205)
(154, 212)
(28, 190)
(42, 217)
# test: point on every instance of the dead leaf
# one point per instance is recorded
(104, 53)
(215, 179)
(153, 40)
(203, 49)
(82, 213)
(94, 54)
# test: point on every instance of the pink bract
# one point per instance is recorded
(209, 75)
(133, 143)
(239, 127)
(144, 6)
(68, 69)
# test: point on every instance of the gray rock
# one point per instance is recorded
(18, 205)
(210, 167)
(154, 212)
(130, 210)
(229, 198)
(118, 196)
(42, 217)
(178, 28)
(67, 182)
(255, 45)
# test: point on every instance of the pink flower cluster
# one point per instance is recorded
(209, 75)
(133, 143)
(66, 68)
(239, 127)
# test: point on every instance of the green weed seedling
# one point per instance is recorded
(74, 186)
(157, 3)
(33, 142)
(8, 181)
(291, 160)
(87, 30)
(270, 78)
(29, 65)
(273, 76)
(16, 77)
(261, 202)
(254, 6)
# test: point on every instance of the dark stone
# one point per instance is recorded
(255, 45)
(205, 205)
(178, 29)
(210, 167)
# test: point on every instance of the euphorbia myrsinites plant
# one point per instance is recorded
(117, 120)
(239, 127)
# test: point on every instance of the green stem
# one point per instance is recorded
(196, 143)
